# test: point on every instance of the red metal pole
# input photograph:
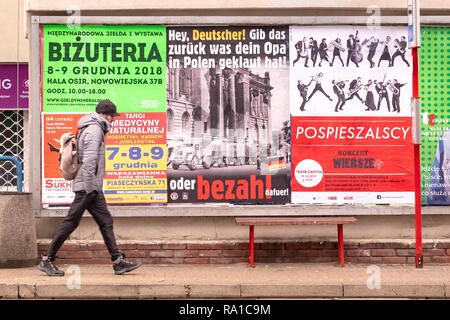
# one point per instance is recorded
(252, 246)
(418, 201)
(341, 243)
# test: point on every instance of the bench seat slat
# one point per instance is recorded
(272, 221)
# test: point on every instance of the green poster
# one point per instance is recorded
(434, 90)
(125, 64)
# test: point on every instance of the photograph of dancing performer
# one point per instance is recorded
(401, 50)
(356, 56)
(303, 89)
(380, 87)
(323, 55)
(314, 50)
(354, 87)
(302, 52)
(338, 88)
(385, 55)
(350, 45)
(370, 100)
(337, 48)
(318, 79)
(395, 88)
(372, 44)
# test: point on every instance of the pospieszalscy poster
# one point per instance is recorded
(350, 93)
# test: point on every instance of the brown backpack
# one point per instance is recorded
(69, 162)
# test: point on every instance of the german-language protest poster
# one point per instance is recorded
(434, 77)
(351, 116)
(127, 65)
(228, 117)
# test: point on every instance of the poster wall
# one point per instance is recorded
(351, 118)
(228, 114)
(127, 65)
(434, 77)
(242, 115)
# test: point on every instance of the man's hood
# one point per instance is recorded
(94, 118)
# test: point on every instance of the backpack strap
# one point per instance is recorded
(78, 135)
(79, 132)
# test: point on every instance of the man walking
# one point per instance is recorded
(88, 186)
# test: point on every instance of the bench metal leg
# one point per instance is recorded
(341, 243)
(251, 248)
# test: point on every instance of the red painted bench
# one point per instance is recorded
(288, 221)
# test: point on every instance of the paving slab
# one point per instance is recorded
(236, 281)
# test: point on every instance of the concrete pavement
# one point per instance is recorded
(237, 281)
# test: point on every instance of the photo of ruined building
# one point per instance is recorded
(226, 111)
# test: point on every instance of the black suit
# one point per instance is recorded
(396, 97)
(353, 85)
(314, 52)
(350, 44)
(302, 52)
(341, 96)
(383, 94)
(400, 52)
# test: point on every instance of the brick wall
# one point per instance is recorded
(395, 252)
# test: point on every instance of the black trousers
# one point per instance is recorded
(318, 87)
(300, 57)
(370, 57)
(381, 97)
(339, 56)
(402, 55)
(302, 107)
(396, 102)
(340, 103)
(95, 203)
(354, 95)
